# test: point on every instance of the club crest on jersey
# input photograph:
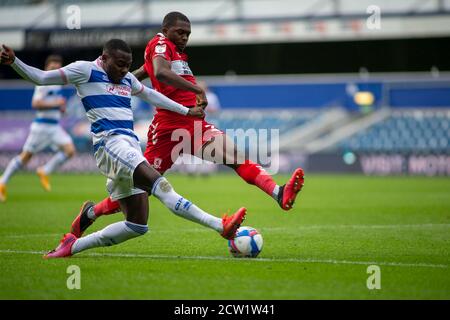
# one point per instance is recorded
(157, 163)
(160, 48)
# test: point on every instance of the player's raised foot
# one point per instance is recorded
(64, 249)
(232, 223)
(45, 180)
(2, 192)
(82, 221)
(289, 191)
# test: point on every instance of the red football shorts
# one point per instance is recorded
(170, 135)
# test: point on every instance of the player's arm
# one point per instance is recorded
(164, 73)
(155, 98)
(140, 73)
(30, 73)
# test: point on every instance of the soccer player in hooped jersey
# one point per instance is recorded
(166, 64)
(105, 87)
(45, 131)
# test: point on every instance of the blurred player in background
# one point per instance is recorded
(45, 131)
(105, 87)
(166, 65)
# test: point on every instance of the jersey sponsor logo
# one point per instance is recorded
(181, 67)
(160, 48)
(120, 90)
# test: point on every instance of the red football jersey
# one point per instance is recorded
(163, 47)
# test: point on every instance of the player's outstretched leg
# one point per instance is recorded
(184, 208)
(135, 208)
(222, 148)
(177, 204)
(285, 195)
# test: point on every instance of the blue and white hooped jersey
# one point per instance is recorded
(107, 105)
(48, 94)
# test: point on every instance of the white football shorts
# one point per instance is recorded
(43, 135)
(117, 157)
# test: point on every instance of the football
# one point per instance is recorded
(248, 243)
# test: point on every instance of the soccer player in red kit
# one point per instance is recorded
(166, 64)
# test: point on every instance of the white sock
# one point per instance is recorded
(13, 165)
(59, 158)
(91, 215)
(275, 192)
(183, 207)
(113, 234)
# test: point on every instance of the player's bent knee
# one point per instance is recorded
(140, 229)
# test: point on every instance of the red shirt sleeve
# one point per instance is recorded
(159, 48)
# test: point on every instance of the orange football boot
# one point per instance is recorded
(232, 223)
(45, 180)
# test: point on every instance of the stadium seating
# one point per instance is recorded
(414, 131)
(256, 119)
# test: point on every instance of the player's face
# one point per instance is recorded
(179, 34)
(53, 65)
(116, 64)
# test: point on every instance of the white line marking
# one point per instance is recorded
(359, 226)
(268, 229)
(33, 235)
(219, 258)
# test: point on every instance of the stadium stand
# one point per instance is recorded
(412, 131)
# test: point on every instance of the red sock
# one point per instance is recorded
(106, 206)
(254, 174)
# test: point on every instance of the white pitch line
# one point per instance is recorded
(359, 226)
(219, 258)
(271, 229)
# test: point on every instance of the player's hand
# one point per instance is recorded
(7, 55)
(201, 100)
(196, 112)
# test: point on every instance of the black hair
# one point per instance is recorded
(172, 17)
(116, 44)
(53, 58)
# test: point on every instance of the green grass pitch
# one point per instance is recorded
(319, 250)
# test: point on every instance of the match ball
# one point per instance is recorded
(247, 243)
